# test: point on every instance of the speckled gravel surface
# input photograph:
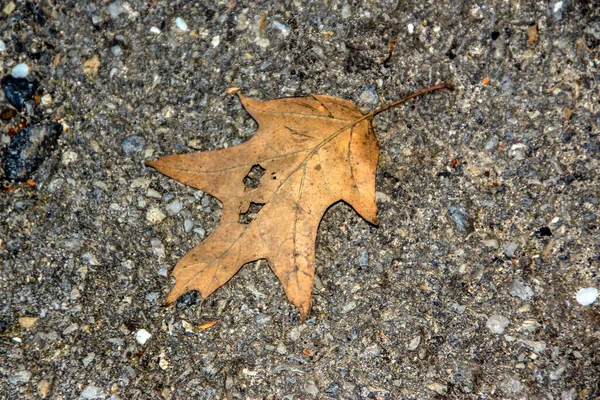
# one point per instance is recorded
(488, 195)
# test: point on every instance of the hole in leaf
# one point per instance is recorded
(250, 215)
(252, 178)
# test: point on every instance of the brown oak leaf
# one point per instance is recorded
(308, 153)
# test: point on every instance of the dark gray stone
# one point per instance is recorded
(18, 91)
(28, 148)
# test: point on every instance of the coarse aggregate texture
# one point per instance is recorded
(488, 202)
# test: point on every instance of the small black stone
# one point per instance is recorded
(543, 231)
(28, 148)
(188, 299)
(18, 90)
(495, 35)
(5, 325)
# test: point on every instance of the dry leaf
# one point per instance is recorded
(307, 154)
(208, 324)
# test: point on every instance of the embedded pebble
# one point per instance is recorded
(372, 351)
(27, 322)
(570, 394)
(510, 248)
(461, 219)
(284, 29)
(368, 97)
(517, 151)
(351, 305)
(133, 144)
(92, 392)
(153, 193)
(152, 297)
(438, 388)
(520, 290)
(262, 318)
(88, 359)
(181, 24)
(414, 343)
(114, 9)
(46, 100)
(311, 388)
(587, 296)
(163, 363)
(296, 332)
(492, 243)
(410, 28)
(2, 46)
(189, 328)
(142, 336)
(91, 66)
(20, 71)
(334, 387)
(497, 323)
(188, 224)
(140, 183)
(28, 148)
(200, 231)
(97, 20)
(73, 244)
(173, 207)
(508, 86)
(44, 387)
(116, 51)
(363, 260)
(9, 8)
(69, 157)
(511, 385)
(492, 144)
(536, 345)
(281, 349)
(557, 9)
(18, 91)
(215, 41)
(158, 248)
(155, 215)
(22, 376)
(155, 30)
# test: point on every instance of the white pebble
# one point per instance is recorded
(497, 323)
(215, 41)
(155, 30)
(587, 296)
(284, 29)
(410, 28)
(155, 215)
(158, 248)
(20, 71)
(92, 392)
(46, 100)
(69, 157)
(163, 364)
(2, 46)
(142, 336)
(181, 24)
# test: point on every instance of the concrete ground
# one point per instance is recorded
(488, 201)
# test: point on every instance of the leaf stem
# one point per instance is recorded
(412, 96)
